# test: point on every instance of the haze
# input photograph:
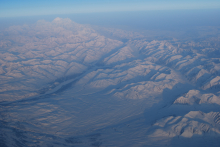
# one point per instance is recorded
(131, 73)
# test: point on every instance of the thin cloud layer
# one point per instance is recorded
(31, 8)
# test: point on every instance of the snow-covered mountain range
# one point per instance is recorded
(67, 84)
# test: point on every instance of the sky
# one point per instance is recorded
(15, 8)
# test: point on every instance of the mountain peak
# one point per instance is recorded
(57, 19)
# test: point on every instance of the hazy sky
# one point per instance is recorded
(13, 8)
